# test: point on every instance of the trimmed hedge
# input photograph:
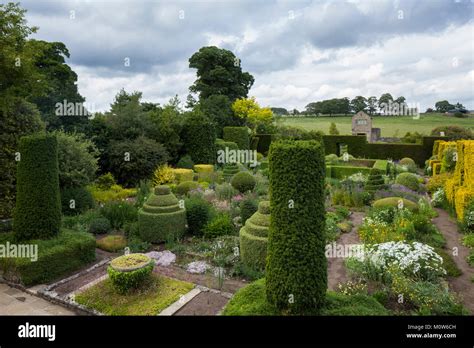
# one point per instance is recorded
(375, 181)
(296, 264)
(67, 252)
(408, 180)
(254, 238)
(230, 169)
(198, 214)
(186, 186)
(340, 172)
(124, 280)
(238, 135)
(183, 174)
(38, 201)
(161, 217)
(358, 147)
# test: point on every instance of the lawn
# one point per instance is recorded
(159, 293)
(392, 126)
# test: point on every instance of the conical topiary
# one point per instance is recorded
(230, 169)
(375, 181)
(161, 218)
(254, 238)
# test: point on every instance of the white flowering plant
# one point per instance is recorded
(439, 197)
(416, 260)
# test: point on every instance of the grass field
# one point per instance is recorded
(391, 126)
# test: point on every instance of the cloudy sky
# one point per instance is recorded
(298, 51)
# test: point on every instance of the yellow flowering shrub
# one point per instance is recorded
(163, 175)
(114, 193)
(183, 174)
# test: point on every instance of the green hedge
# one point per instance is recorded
(358, 147)
(67, 252)
(199, 138)
(38, 202)
(296, 264)
(238, 135)
(340, 172)
(161, 218)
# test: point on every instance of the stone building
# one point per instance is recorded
(362, 125)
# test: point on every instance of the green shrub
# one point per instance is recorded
(393, 202)
(296, 264)
(119, 213)
(254, 238)
(198, 214)
(356, 304)
(186, 186)
(243, 182)
(220, 225)
(185, 162)
(408, 180)
(112, 243)
(38, 201)
(341, 172)
(105, 182)
(407, 161)
(100, 226)
(375, 182)
(161, 218)
(76, 200)
(58, 256)
(238, 135)
(248, 206)
(230, 169)
(221, 146)
(264, 141)
(225, 191)
(129, 278)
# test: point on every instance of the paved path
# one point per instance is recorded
(16, 302)
(462, 284)
(337, 272)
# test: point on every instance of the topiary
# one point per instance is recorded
(243, 182)
(38, 202)
(185, 162)
(375, 181)
(100, 226)
(76, 200)
(296, 269)
(105, 182)
(186, 186)
(407, 161)
(128, 272)
(248, 206)
(161, 218)
(220, 225)
(204, 168)
(198, 214)
(409, 180)
(254, 238)
(198, 136)
(230, 169)
(394, 202)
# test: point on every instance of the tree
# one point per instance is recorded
(219, 110)
(359, 103)
(199, 138)
(372, 104)
(61, 87)
(279, 111)
(460, 107)
(77, 158)
(384, 100)
(250, 111)
(219, 73)
(453, 132)
(443, 106)
(333, 129)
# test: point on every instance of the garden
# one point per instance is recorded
(219, 208)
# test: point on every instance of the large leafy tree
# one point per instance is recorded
(219, 73)
(359, 103)
(443, 106)
(386, 99)
(61, 85)
(372, 104)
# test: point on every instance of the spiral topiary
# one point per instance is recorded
(254, 238)
(230, 169)
(161, 218)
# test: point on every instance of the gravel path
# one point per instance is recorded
(462, 284)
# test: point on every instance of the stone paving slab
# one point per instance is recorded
(16, 302)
